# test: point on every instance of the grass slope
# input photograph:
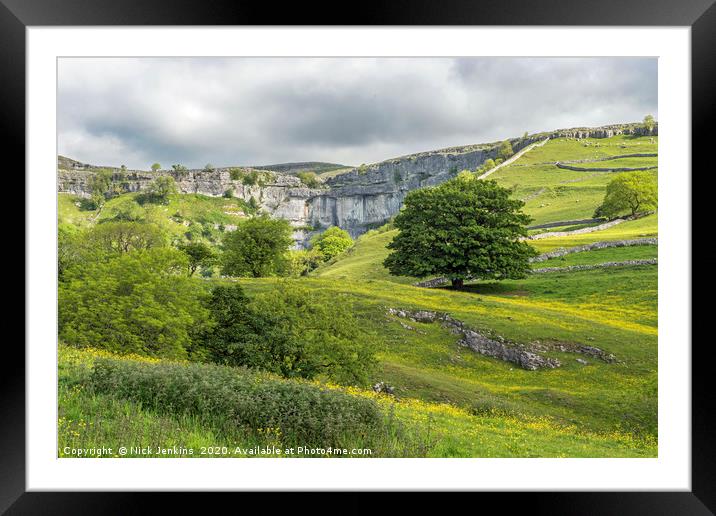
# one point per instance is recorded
(553, 194)
(182, 212)
(88, 420)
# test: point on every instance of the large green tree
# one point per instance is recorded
(465, 228)
(630, 193)
(257, 247)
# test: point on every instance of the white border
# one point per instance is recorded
(671, 471)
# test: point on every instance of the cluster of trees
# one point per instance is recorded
(249, 177)
(259, 247)
(124, 286)
(649, 122)
(103, 186)
(504, 151)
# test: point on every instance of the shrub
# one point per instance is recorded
(290, 331)
(236, 174)
(332, 242)
(140, 302)
(310, 179)
(229, 193)
(250, 178)
(125, 209)
(304, 413)
(301, 261)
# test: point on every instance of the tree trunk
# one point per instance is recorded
(457, 282)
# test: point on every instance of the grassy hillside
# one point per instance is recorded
(553, 194)
(449, 400)
(184, 213)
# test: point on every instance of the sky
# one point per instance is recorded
(258, 111)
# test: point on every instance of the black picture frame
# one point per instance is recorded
(700, 15)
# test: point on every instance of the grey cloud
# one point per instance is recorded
(253, 111)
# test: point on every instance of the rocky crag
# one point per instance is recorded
(357, 200)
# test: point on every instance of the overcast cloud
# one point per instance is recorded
(250, 111)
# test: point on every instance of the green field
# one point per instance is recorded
(449, 401)
(553, 194)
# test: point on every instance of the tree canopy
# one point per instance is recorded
(257, 247)
(160, 189)
(139, 302)
(630, 192)
(117, 237)
(505, 150)
(198, 254)
(649, 122)
(464, 228)
(332, 242)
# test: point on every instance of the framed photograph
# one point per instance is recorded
(454, 247)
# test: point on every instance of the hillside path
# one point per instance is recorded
(514, 158)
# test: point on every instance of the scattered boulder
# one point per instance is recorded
(382, 387)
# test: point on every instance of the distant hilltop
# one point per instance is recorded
(318, 167)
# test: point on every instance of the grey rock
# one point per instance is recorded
(382, 387)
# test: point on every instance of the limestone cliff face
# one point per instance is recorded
(357, 200)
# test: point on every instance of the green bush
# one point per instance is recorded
(300, 262)
(236, 174)
(310, 179)
(138, 302)
(251, 178)
(290, 331)
(305, 413)
(332, 242)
